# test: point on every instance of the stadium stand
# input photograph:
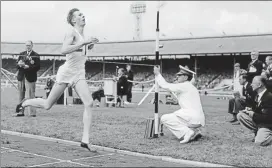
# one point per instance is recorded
(211, 57)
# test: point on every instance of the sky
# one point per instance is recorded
(45, 21)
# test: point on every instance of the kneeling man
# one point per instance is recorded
(240, 102)
(259, 119)
(185, 122)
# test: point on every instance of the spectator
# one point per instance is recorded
(121, 86)
(259, 118)
(237, 72)
(268, 72)
(49, 85)
(241, 101)
(255, 67)
(98, 94)
(130, 84)
(28, 65)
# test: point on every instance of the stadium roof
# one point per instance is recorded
(185, 46)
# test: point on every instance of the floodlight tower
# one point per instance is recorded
(137, 9)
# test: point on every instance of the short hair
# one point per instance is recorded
(256, 52)
(122, 70)
(30, 41)
(71, 15)
(262, 79)
(237, 64)
(269, 57)
(244, 76)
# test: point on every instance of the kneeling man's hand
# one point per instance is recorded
(250, 113)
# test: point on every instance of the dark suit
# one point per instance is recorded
(268, 73)
(29, 74)
(27, 77)
(130, 84)
(250, 95)
(263, 111)
(261, 121)
(269, 85)
(122, 84)
(98, 94)
(236, 104)
(258, 65)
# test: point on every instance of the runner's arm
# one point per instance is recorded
(68, 46)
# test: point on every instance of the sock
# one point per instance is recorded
(87, 117)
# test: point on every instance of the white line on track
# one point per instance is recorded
(59, 160)
(29, 153)
(46, 164)
(69, 161)
(4, 148)
(163, 158)
(93, 156)
(7, 151)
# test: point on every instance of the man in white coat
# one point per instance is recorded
(185, 122)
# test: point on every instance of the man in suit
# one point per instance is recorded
(129, 87)
(122, 84)
(255, 67)
(268, 72)
(28, 64)
(237, 72)
(259, 118)
(241, 101)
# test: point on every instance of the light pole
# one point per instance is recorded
(137, 9)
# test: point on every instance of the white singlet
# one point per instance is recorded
(73, 69)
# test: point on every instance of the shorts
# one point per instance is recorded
(69, 77)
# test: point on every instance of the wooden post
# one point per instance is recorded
(103, 67)
(157, 54)
(161, 64)
(195, 66)
(233, 69)
(54, 66)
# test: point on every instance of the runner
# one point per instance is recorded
(71, 73)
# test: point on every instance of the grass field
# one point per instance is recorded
(123, 128)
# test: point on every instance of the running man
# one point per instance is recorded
(71, 73)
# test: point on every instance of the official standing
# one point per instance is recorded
(130, 84)
(255, 67)
(28, 65)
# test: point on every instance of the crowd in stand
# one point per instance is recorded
(142, 73)
(206, 78)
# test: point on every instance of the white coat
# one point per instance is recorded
(188, 99)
